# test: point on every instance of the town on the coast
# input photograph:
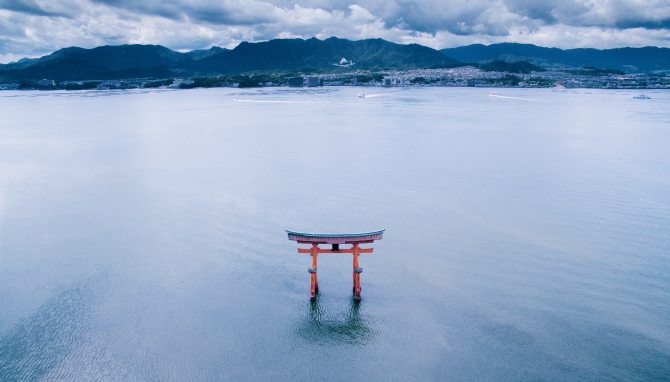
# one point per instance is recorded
(339, 62)
(468, 76)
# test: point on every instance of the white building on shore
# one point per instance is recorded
(44, 83)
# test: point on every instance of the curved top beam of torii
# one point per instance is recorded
(335, 238)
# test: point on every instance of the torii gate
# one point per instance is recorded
(335, 240)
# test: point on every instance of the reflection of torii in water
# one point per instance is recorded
(350, 327)
(335, 239)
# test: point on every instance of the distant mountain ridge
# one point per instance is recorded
(319, 56)
(134, 61)
(645, 59)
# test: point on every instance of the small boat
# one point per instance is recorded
(642, 96)
(361, 95)
(494, 94)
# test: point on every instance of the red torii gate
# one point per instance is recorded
(335, 240)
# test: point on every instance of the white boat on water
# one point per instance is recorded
(494, 94)
(361, 95)
(642, 96)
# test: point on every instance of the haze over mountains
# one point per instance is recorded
(312, 55)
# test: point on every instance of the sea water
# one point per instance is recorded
(142, 234)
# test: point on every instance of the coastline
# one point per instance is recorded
(467, 76)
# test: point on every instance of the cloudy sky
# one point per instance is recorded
(35, 27)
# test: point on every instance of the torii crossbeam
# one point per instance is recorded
(335, 240)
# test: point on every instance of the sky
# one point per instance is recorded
(30, 28)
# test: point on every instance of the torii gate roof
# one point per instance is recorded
(335, 238)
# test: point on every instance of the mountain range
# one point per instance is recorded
(311, 55)
(314, 55)
(647, 59)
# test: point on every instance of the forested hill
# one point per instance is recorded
(134, 61)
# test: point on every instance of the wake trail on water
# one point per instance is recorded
(243, 100)
(375, 95)
(517, 98)
(380, 94)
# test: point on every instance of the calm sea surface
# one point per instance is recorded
(141, 235)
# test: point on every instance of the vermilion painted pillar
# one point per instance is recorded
(314, 281)
(357, 274)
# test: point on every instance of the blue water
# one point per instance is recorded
(141, 235)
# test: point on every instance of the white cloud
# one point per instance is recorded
(36, 27)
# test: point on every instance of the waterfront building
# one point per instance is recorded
(312, 81)
(44, 83)
(178, 83)
(296, 82)
(9, 86)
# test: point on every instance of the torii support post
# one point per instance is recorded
(314, 280)
(356, 273)
(355, 239)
